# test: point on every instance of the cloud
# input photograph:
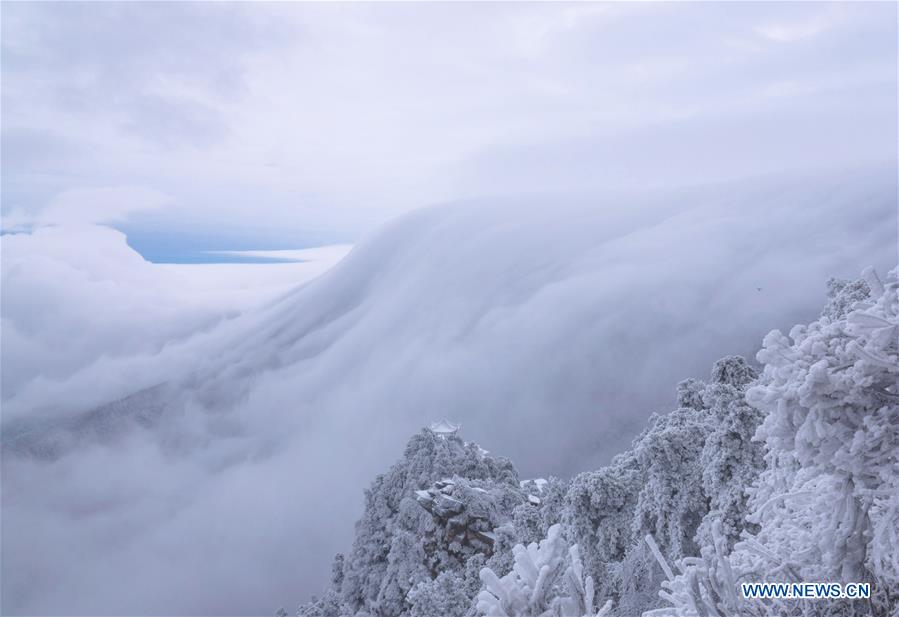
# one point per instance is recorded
(804, 27)
(318, 114)
(169, 123)
(103, 205)
(86, 207)
(550, 326)
(75, 293)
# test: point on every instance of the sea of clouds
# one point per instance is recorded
(248, 422)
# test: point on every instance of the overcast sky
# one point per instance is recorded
(296, 124)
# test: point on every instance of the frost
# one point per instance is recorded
(547, 580)
(788, 475)
(826, 506)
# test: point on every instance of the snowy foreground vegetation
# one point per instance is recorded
(788, 473)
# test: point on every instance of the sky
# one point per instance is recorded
(534, 219)
(301, 124)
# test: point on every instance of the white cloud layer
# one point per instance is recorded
(76, 293)
(560, 320)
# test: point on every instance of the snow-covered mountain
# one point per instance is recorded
(786, 477)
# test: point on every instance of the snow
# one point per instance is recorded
(538, 482)
(829, 492)
(532, 590)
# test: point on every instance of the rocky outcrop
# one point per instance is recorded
(468, 511)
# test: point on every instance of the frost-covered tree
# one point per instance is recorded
(731, 463)
(842, 295)
(502, 560)
(528, 523)
(733, 371)
(636, 581)
(552, 504)
(691, 465)
(447, 595)
(699, 461)
(599, 514)
(689, 394)
(337, 571)
(376, 560)
(826, 505)
(831, 394)
(326, 606)
(547, 580)
(731, 460)
(329, 605)
(706, 586)
(672, 503)
(400, 543)
(791, 475)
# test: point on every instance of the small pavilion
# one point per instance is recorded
(444, 428)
